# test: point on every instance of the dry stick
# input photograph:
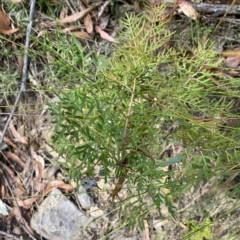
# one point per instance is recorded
(15, 200)
(224, 16)
(146, 228)
(24, 70)
(214, 9)
(9, 235)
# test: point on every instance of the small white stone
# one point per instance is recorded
(96, 212)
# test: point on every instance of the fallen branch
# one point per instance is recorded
(217, 9)
(211, 8)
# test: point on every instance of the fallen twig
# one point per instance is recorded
(24, 70)
(9, 235)
(146, 230)
(224, 16)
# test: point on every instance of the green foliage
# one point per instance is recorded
(202, 231)
(146, 96)
(8, 83)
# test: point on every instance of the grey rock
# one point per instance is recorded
(88, 183)
(84, 198)
(59, 219)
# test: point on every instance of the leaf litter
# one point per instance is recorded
(38, 176)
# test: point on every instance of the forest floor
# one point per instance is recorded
(30, 167)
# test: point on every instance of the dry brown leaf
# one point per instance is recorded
(17, 136)
(63, 13)
(38, 186)
(69, 29)
(78, 34)
(88, 23)
(232, 62)
(4, 21)
(27, 202)
(187, 9)
(8, 141)
(8, 32)
(19, 218)
(12, 175)
(81, 35)
(50, 172)
(2, 187)
(58, 184)
(5, 24)
(20, 186)
(105, 35)
(14, 158)
(38, 170)
(76, 16)
(118, 187)
(37, 157)
(232, 58)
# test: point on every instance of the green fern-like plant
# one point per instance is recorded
(146, 96)
(197, 231)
